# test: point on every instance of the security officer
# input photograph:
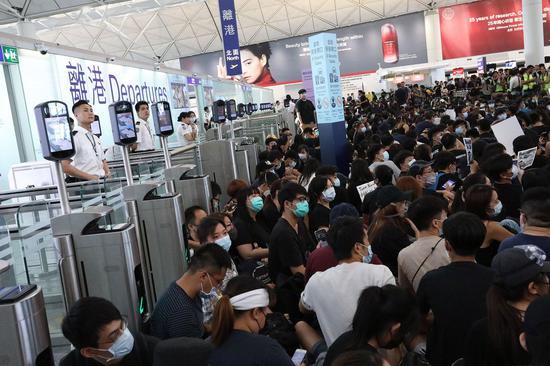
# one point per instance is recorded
(528, 81)
(88, 162)
(143, 130)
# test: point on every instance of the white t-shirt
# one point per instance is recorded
(333, 294)
(88, 155)
(184, 129)
(144, 136)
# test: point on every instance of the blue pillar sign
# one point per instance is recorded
(325, 69)
(230, 37)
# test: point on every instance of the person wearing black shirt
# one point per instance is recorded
(100, 335)
(455, 293)
(383, 176)
(287, 251)
(321, 194)
(305, 111)
(272, 210)
(401, 94)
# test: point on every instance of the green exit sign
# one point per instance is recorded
(10, 55)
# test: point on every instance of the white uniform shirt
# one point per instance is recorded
(333, 294)
(88, 155)
(144, 136)
(184, 129)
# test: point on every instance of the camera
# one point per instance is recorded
(41, 47)
(111, 59)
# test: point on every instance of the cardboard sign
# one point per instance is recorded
(506, 131)
(469, 149)
(365, 189)
(526, 158)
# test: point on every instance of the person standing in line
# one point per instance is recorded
(305, 111)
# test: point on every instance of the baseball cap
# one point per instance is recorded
(518, 265)
(390, 194)
(537, 317)
(342, 209)
(417, 167)
(302, 91)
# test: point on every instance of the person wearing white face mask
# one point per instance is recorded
(331, 171)
(321, 193)
(100, 336)
(377, 155)
(187, 130)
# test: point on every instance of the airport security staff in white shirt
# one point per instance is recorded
(187, 130)
(143, 129)
(88, 162)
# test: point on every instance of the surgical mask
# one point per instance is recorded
(224, 242)
(437, 121)
(368, 258)
(459, 130)
(465, 114)
(122, 346)
(386, 156)
(363, 129)
(266, 193)
(302, 209)
(498, 209)
(329, 194)
(515, 172)
(193, 119)
(502, 116)
(292, 164)
(430, 179)
(302, 156)
(336, 182)
(256, 204)
(213, 291)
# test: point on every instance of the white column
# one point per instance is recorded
(533, 35)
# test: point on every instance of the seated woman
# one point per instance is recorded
(232, 189)
(272, 209)
(252, 238)
(239, 316)
(321, 194)
(482, 200)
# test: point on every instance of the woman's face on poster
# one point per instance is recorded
(252, 66)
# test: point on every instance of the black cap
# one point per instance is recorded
(302, 91)
(390, 194)
(417, 167)
(537, 317)
(518, 265)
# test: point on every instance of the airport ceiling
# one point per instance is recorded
(147, 30)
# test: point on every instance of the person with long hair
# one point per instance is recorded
(321, 194)
(239, 316)
(272, 209)
(360, 174)
(310, 167)
(482, 200)
(469, 181)
(520, 278)
(390, 231)
(411, 185)
(384, 316)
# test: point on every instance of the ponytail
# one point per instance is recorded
(224, 319)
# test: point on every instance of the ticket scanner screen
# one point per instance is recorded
(96, 126)
(241, 110)
(122, 123)
(162, 119)
(231, 108)
(249, 109)
(56, 139)
(218, 111)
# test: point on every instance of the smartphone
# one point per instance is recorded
(449, 184)
(298, 356)
(320, 234)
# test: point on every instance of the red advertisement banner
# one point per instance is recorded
(484, 27)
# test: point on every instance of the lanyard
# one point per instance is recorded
(93, 143)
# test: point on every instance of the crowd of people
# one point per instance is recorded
(441, 262)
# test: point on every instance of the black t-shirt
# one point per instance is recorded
(401, 95)
(270, 214)
(141, 355)
(479, 352)
(343, 344)
(306, 109)
(456, 295)
(510, 196)
(319, 217)
(389, 241)
(248, 232)
(247, 349)
(286, 250)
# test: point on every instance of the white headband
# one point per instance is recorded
(250, 300)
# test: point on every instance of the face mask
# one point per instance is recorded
(292, 164)
(502, 116)
(302, 209)
(336, 182)
(213, 291)
(329, 194)
(498, 209)
(256, 204)
(437, 121)
(465, 114)
(386, 156)
(368, 258)
(193, 119)
(430, 179)
(548, 107)
(266, 193)
(122, 346)
(302, 156)
(363, 129)
(515, 172)
(459, 130)
(224, 242)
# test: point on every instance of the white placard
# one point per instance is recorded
(526, 158)
(365, 189)
(451, 113)
(506, 131)
(469, 149)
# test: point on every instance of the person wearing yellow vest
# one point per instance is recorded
(544, 76)
(529, 81)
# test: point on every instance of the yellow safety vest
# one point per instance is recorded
(527, 82)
